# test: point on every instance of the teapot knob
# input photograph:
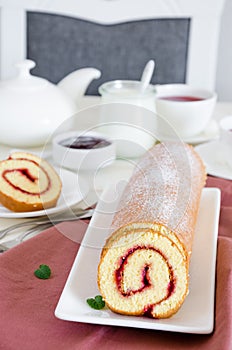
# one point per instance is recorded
(25, 67)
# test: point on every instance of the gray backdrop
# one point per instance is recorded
(62, 44)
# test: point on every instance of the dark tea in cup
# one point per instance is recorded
(182, 98)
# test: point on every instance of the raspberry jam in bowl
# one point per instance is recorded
(84, 142)
(81, 150)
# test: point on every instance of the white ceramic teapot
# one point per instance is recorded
(31, 108)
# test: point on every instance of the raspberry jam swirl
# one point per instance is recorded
(144, 275)
(28, 178)
(143, 271)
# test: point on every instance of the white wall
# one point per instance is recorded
(224, 64)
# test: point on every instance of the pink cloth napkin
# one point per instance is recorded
(27, 304)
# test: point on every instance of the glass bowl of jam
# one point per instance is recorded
(80, 150)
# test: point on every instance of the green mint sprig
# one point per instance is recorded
(43, 272)
(96, 303)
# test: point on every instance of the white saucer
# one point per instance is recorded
(214, 159)
(210, 133)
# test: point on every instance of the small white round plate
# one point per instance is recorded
(210, 133)
(214, 159)
(74, 190)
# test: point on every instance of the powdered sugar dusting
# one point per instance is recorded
(165, 188)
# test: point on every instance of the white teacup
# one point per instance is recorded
(183, 111)
(226, 138)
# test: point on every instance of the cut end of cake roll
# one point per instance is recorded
(28, 183)
(143, 271)
(144, 264)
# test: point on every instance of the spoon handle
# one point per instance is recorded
(147, 74)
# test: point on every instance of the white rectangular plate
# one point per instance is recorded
(196, 314)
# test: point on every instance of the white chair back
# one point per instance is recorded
(203, 23)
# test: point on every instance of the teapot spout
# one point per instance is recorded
(75, 84)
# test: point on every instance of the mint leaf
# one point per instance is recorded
(96, 303)
(43, 272)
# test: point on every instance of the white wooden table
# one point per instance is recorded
(119, 170)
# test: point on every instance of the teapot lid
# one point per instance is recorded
(24, 79)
